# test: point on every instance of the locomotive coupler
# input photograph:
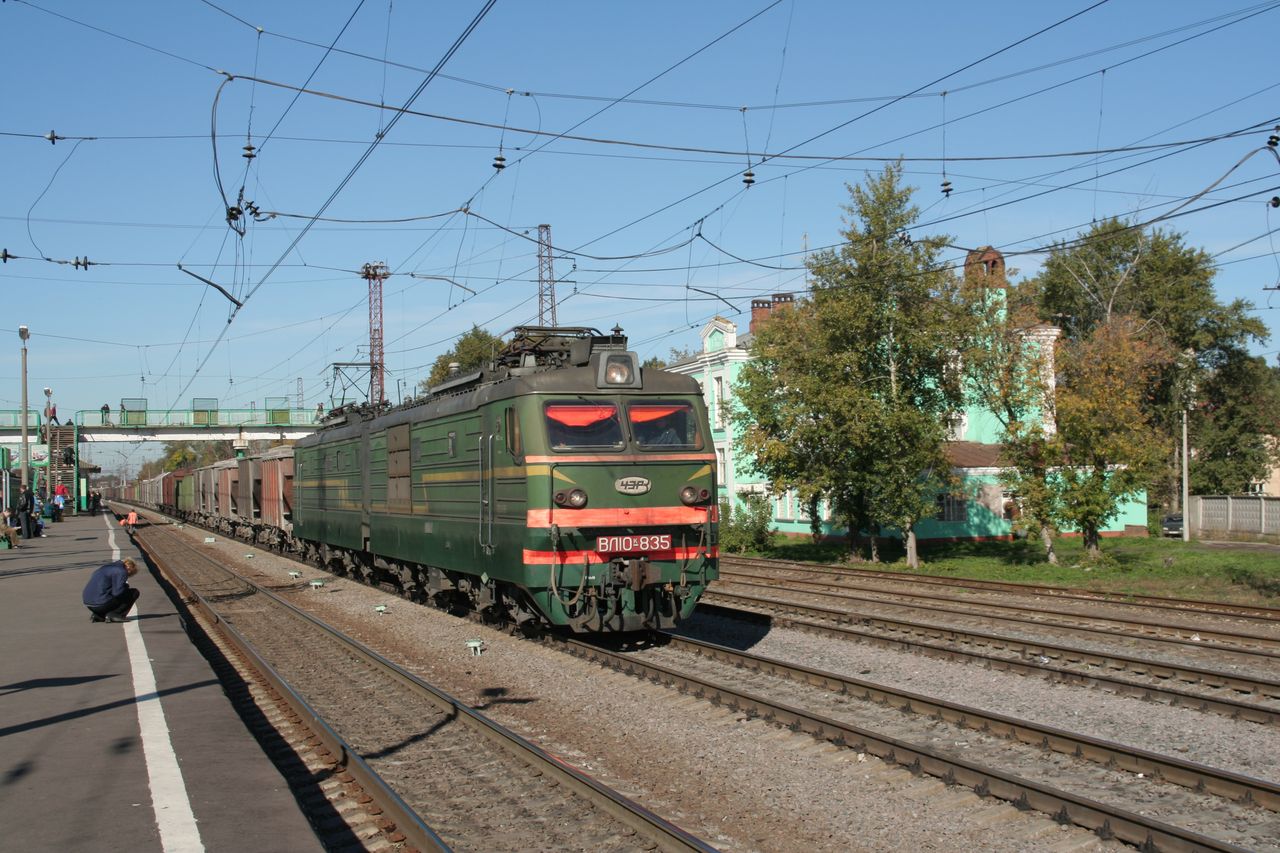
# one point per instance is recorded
(632, 572)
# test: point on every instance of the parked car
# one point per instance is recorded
(1172, 526)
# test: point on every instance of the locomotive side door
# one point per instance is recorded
(488, 437)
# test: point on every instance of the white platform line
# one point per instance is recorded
(169, 800)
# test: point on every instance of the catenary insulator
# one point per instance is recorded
(748, 177)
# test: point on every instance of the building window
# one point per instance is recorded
(953, 508)
(957, 426)
(718, 400)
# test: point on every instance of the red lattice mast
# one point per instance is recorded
(546, 279)
(375, 274)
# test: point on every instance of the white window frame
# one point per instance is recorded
(953, 508)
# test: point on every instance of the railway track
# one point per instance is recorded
(1270, 615)
(1029, 765)
(1211, 682)
(1107, 819)
(1258, 643)
(1220, 679)
(1208, 691)
(477, 785)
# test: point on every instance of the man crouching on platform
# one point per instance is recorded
(108, 594)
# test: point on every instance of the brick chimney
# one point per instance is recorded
(760, 309)
(985, 262)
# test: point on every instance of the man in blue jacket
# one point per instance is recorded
(108, 594)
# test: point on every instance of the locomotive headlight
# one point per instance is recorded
(618, 371)
(575, 499)
(690, 496)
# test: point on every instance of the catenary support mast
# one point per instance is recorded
(375, 274)
(546, 279)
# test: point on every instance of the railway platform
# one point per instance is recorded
(119, 736)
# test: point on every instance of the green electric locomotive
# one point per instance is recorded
(561, 485)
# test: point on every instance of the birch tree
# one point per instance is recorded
(850, 391)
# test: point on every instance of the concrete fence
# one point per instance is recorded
(1248, 515)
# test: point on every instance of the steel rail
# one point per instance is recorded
(1028, 667)
(664, 834)
(1150, 632)
(1106, 820)
(1191, 605)
(406, 820)
(1028, 648)
(1189, 774)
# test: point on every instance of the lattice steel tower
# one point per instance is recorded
(375, 274)
(546, 279)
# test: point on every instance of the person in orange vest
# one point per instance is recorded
(130, 521)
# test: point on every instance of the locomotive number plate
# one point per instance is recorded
(631, 544)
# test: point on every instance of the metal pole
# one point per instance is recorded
(1186, 509)
(26, 451)
(48, 443)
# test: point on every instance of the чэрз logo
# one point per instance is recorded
(631, 485)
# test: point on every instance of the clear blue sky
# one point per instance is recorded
(818, 79)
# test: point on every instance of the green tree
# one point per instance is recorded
(848, 391)
(474, 349)
(1117, 269)
(1237, 416)
(1105, 437)
(1007, 367)
(749, 528)
(676, 355)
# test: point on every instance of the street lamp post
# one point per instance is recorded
(24, 333)
(1189, 390)
(48, 441)
(1186, 488)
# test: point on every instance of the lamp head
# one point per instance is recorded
(48, 392)
(24, 332)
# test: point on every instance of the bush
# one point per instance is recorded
(1259, 581)
(749, 528)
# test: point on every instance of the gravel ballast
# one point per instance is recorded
(743, 784)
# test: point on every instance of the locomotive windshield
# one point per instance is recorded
(583, 425)
(664, 424)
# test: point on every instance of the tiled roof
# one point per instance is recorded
(971, 454)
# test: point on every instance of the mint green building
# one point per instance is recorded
(979, 509)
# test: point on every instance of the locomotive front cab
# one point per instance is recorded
(622, 524)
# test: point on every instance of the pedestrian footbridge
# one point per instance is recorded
(141, 424)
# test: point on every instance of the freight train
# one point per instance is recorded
(561, 485)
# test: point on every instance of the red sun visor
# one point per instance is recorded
(581, 416)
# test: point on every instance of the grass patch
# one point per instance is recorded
(1221, 572)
